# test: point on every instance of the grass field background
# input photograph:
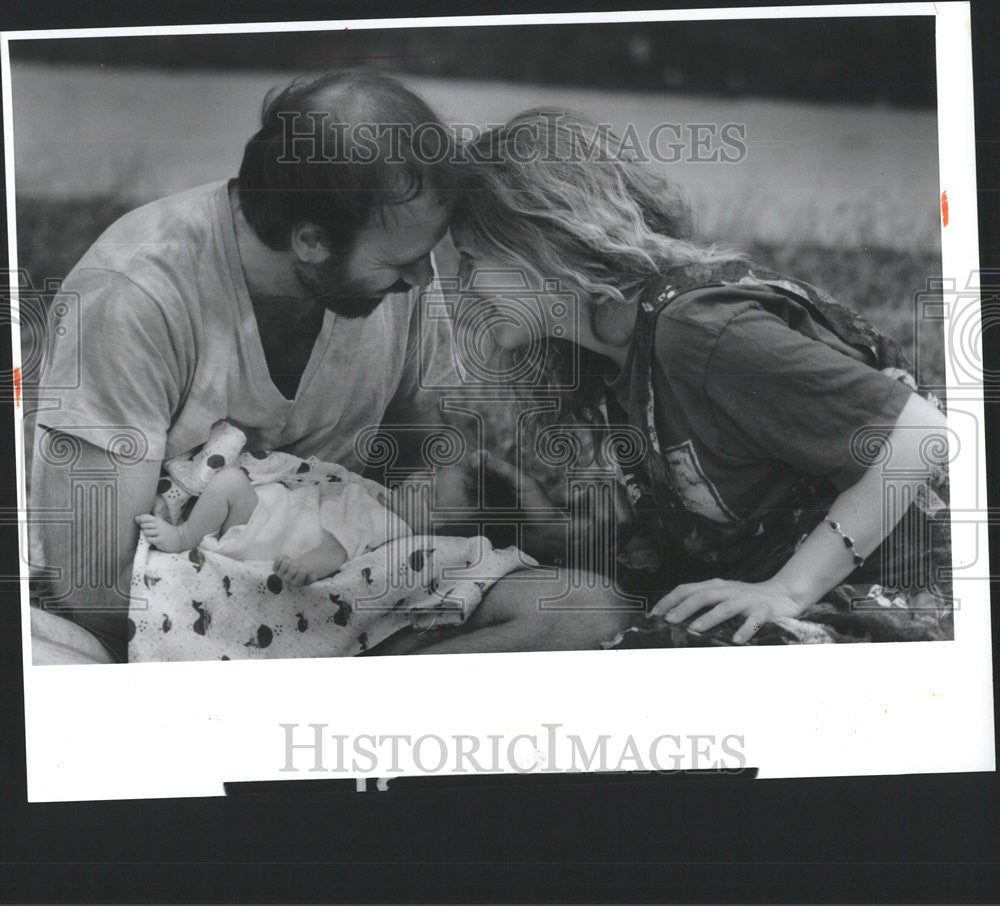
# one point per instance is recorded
(846, 197)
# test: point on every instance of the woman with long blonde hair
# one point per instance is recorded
(770, 415)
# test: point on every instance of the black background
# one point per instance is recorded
(899, 838)
(877, 60)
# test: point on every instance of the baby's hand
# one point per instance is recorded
(292, 571)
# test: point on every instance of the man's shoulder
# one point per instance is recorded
(154, 234)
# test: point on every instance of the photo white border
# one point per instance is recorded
(178, 730)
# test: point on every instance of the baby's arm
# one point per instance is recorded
(318, 563)
(228, 499)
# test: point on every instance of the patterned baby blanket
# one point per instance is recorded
(200, 605)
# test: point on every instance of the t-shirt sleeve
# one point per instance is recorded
(798, 400)
(430, 367)
(111, 369)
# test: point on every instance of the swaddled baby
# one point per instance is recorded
(308, 532)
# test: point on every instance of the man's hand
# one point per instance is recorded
(759, 602)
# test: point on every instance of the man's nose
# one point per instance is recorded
(421, 273)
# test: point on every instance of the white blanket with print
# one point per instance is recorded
(201, 605)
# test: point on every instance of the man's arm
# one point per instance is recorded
(112, 380)
(83, 531)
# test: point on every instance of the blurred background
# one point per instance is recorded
(839, 184)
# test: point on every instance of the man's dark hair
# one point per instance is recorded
(333, 149)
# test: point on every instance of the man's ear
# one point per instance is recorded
(309, 243)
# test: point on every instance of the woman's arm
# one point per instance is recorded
(823, 560)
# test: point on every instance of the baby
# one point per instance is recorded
(308, 532)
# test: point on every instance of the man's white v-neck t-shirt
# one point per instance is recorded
(157, 332)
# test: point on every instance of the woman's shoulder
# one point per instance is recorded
(700, 318)
(712, 297)
(683, 291)
(690, 307)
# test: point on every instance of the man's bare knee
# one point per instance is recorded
(592, 610)
(568, 610)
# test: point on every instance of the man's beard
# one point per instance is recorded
(330, 287)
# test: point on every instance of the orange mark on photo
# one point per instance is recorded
(944, 209)
(17, 386)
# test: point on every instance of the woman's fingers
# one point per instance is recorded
(697, 600)
(730, 599)
(753, 623)
(680, 593)
(715, 616)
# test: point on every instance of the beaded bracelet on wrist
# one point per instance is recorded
(848, 541)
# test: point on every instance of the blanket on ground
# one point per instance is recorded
(201, 605)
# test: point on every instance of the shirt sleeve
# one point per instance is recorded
(798, 400)
(430, 368)
(110, 369)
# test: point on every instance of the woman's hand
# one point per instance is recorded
(759, 602)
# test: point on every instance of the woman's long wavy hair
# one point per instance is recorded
(562, 197)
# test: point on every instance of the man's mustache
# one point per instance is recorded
(350, 307)
(400, 286)
(359, 306)
(353, 305)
